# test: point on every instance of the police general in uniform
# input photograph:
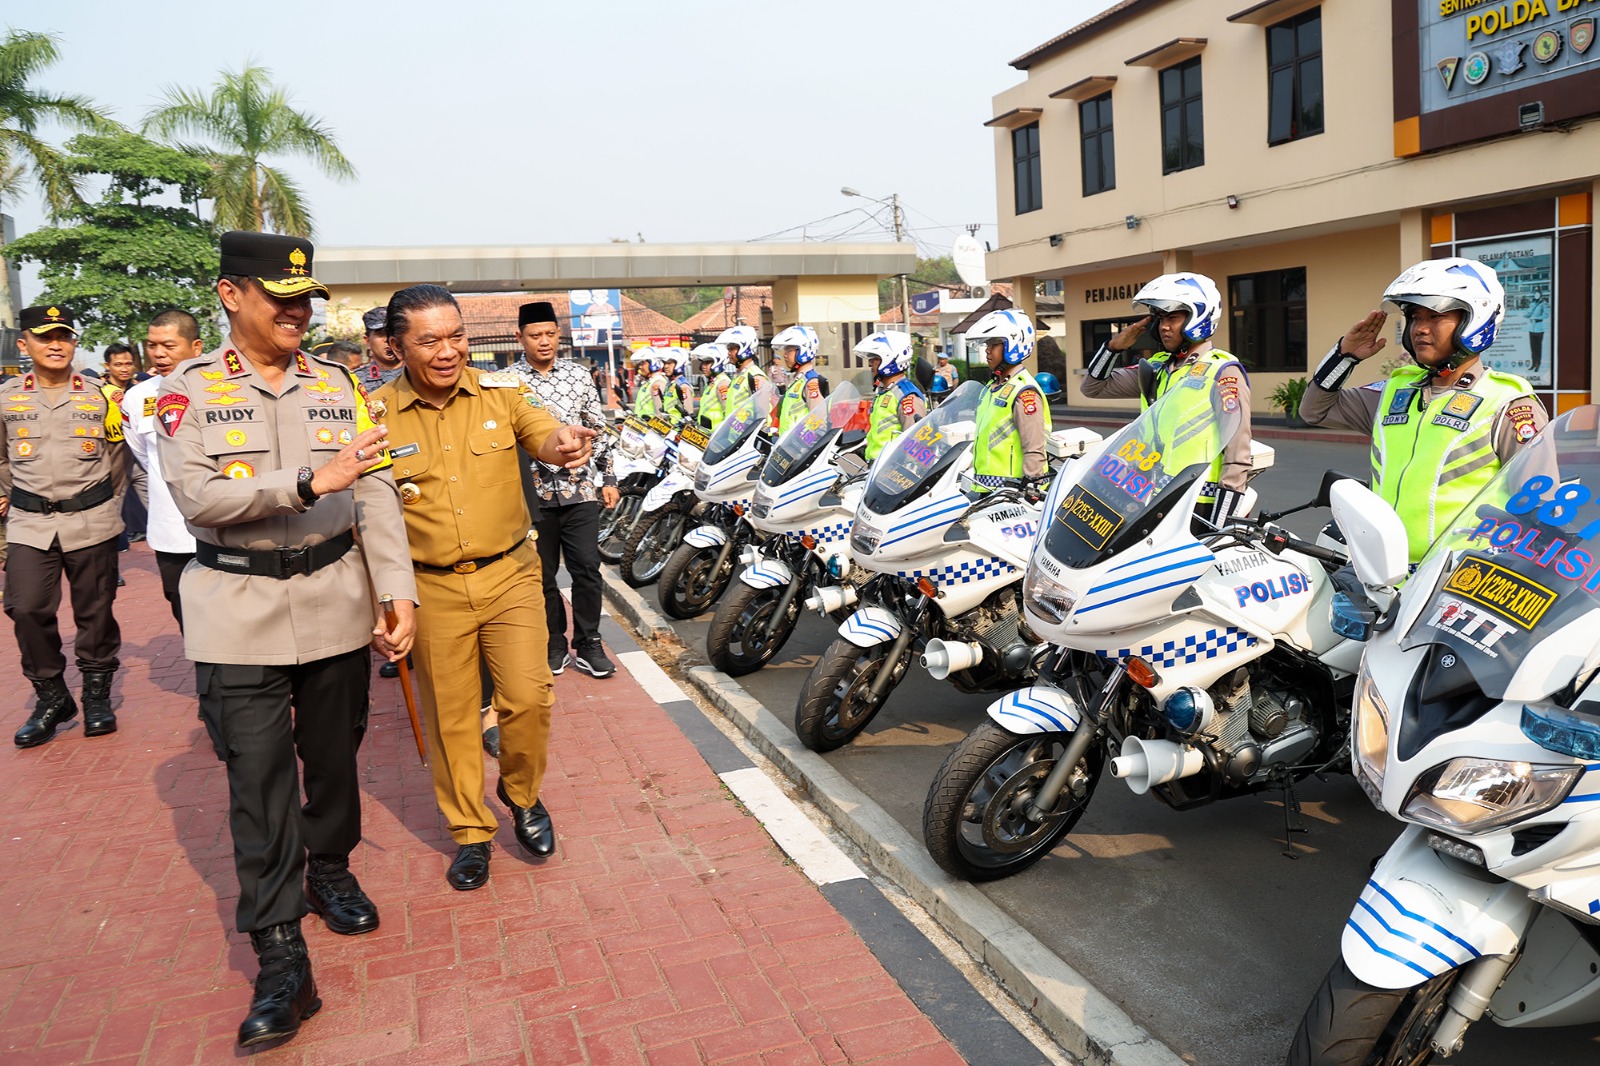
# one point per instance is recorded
(275, 464)
(456, 432)
(63, 469)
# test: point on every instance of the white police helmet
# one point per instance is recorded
(708, 352)
(1452, 284)
(803, 339)
(891, 346)
(1009, 325)
(1194, 293)
(744, 336)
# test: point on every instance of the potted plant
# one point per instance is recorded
(1286, 398)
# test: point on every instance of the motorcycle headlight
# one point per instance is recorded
(1370, 736)
(1475, 795)
(864, 540)
(1049, 598)
(702, 480)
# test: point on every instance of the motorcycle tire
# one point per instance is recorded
(744, 636)
(614, 525)
(832, 709)
(647, 548)
(686, 586)
(1352, 1023)
(973, 822)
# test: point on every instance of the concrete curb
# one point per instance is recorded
(1081, 1018)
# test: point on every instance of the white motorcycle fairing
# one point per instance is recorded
(870, 626)
(1036, 709)
(766, 574)
(706, 537)
(662, 492)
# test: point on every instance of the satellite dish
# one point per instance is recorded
(967, 254)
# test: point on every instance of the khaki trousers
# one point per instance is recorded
(496, 612)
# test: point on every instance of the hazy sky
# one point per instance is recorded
(531, 123)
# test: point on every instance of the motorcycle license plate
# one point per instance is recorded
(696, 436)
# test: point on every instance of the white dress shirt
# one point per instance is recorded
(165, 531)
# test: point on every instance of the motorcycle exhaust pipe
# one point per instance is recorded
(1145, 763)
(830, 598)
(942, 658)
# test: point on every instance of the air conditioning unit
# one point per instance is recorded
(980, 292)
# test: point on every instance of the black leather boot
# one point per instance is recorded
(286, 993)
(333, 892)
(54, 707)
(97, 717)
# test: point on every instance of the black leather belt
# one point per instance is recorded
(93, 496)
(468, 566)
(281, 563)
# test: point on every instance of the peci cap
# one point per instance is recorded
(376, 319)
(540, 311)
(282, 264)
(44, 319)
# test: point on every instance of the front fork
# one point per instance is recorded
(729, 543)
(1078, 744)
(784, 601)
(908, 632)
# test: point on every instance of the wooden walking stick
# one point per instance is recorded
(389, 621)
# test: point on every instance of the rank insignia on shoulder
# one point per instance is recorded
(235, 365)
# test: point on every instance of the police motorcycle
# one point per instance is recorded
(1477, 725)
(805, 499)
(943, 577)
(701, 568)
(639, 459)
(664, 510)
(1197, 667)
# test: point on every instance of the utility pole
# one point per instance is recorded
(905, 295)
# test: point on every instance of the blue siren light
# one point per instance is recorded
(1563, 731)
(1187, 710)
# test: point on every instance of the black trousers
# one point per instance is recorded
(33, 597)
(170, 565)
(571, 533)
(259, 717)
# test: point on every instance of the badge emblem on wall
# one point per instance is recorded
(1509, 57)
(1447, 70)
(1546, 47)
(1476, 69)
(1582, 34)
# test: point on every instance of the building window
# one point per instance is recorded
(1269, 319)
(1294, 78)
(1099, 155)
(1096, 332)
(1183, 135)
(1025, 160)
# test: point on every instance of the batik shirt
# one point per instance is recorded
(567, 392)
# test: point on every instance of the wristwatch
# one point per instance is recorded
(302, 485)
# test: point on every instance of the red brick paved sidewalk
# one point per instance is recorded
(668, 928)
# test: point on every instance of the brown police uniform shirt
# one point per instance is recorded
(59, 442)
(457, 465)
(230, 449)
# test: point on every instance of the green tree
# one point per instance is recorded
(23, 155)
(246, 120)
(930, 273)
(120, 260)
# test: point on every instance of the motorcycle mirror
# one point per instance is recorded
(922, 373)
(1323, 498)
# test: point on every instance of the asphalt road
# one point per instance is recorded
(1193, 922)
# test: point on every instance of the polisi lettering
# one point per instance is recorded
(1552, 553)
(229, 414)
(330, 414)
(1275, 588)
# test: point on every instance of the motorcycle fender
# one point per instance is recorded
(766, 574)
(870, 626)
(1422, 914)
(1036, 709)
(705, 537)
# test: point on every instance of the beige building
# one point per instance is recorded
(1301, 156)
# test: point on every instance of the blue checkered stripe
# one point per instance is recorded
(836, 533)
(964, 572)
(1191, 649)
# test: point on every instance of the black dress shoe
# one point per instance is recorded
(532, 824)
(286, 993)
(389, 670)
(470, 869)
(54, 707)
(333, 892)
(491, 741)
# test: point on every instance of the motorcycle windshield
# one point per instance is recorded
(1521, 560)
(917, 457)
(1097, 509)
(839, 412)
(747, 416)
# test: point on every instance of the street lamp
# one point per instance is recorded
(899, 235)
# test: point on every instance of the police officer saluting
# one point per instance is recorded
(274, 462)
(63, 468)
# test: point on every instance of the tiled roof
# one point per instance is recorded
(719, 315)
(495, 314)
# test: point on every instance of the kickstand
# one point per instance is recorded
(1292, 821)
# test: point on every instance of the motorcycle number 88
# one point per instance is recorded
(1560, 509)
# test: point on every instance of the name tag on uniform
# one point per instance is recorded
(404, 450)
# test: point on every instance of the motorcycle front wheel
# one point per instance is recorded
(1352, 1023)
(747, 632)
(614, 525)
(689, 583)
(647, 548)
(975, 821)
(833, 707)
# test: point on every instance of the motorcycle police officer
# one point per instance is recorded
(797, 347)
(1448, 419)
(899, 402)
(714, 401)
(741, 344)
(1013, 416)
(1185, 310)
(648, 401)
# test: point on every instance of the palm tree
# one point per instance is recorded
(246, 119)
(23, 109)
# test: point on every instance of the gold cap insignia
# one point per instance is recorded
(297, 261)
(53, 312)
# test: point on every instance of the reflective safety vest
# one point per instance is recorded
(795, 405)
(746, 383)
(997, 451)
(644, 404)
(1183, 425)
(717, 400)
(672, 399)
(1429, 462)
(884, 419)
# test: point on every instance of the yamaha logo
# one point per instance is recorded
(1447, 661)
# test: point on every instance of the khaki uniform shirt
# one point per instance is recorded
(58, 442)
(230, 449)
(457, 465)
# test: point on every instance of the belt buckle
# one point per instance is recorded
(467, 567)
(295, 561)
